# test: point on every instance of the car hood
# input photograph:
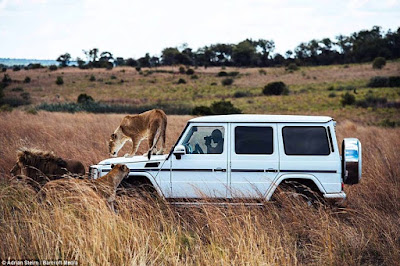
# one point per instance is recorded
(134, 159)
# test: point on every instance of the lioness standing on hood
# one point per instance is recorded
(150, 125)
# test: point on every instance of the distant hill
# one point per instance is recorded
(25, 62)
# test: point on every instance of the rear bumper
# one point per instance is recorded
(336, 197)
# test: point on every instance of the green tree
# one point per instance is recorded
(64, 59)
(243, 53)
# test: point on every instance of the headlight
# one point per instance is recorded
(93, 172)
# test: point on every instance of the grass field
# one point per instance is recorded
(365, 232)
(313, 90)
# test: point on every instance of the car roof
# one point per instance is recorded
(256, 118)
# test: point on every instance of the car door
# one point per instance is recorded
(202, 171)
(254, 159)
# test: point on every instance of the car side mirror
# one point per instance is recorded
(179, 150)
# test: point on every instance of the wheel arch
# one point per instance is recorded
(146, 178)
(301, 178)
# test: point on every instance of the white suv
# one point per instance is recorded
(247, 156)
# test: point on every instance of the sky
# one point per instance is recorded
(44, 29)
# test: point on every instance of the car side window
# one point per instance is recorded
(310, 140)
(205, 140)
(253, 140)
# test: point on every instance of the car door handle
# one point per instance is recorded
(219, 169)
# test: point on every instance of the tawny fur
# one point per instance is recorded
(42, 165)
(150, 125)
(104, 187)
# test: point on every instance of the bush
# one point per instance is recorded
(181, 70)
(35, 66)
(3, 69)
(194, 77)
(202, 110)
(84, 98)
(26, 96)
(6, 78)
(262, 72)
(371, 101)
(138, 69)
(113, 77)
(276, 88)
(389, 123)
(92, 78)
(59, 80)
(189, 72)
(224, 108)
(348, 99)
(53, 67)
(222, 74)
(181, 81)
(17, 89)
(376, 82)
(332, 95)
(233, 73)
(227, 82)
(241, 94)
(379, 63)
(394, 81)
(27, 80)
(16, 68)
(292, 67)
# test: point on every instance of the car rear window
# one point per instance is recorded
(254, 140)
(305, 141)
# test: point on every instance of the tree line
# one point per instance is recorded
(359, 47)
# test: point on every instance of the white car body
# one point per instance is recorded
(232, 174)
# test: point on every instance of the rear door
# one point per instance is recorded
(254, 159)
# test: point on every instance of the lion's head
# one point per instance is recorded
(117, 140)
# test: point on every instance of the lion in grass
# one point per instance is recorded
(43, 166)
(104, 187)
(150, 125)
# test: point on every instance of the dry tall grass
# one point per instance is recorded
(81, 227)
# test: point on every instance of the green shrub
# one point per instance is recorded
(292, 67)
(202, 110)
(348, 99)
(17, 89)
(138, 69)
(16, 68)
(224, 107)
(331, 88)
(92, 78)
(262, 72)
(371, 101)
(14, 101)
(332, 95)
(379, 63)
(233, 73)
(59, 80)
(26, 96)
(181, 70)
(53, 67)
(194, 77)
(189, 72)
(276, 88)
(27, 80)
(376, 82)
(3, 69)
(35, 66)
(389, 123)
(113, 77)
(5, 108)
(227, 81)
(241, 94)
(84, 98)
(181, 81)
(222, 74)
(6, 78)
(394, 81)
(213, 84)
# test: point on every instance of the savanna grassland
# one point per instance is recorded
(365, 231)
(313, 90)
